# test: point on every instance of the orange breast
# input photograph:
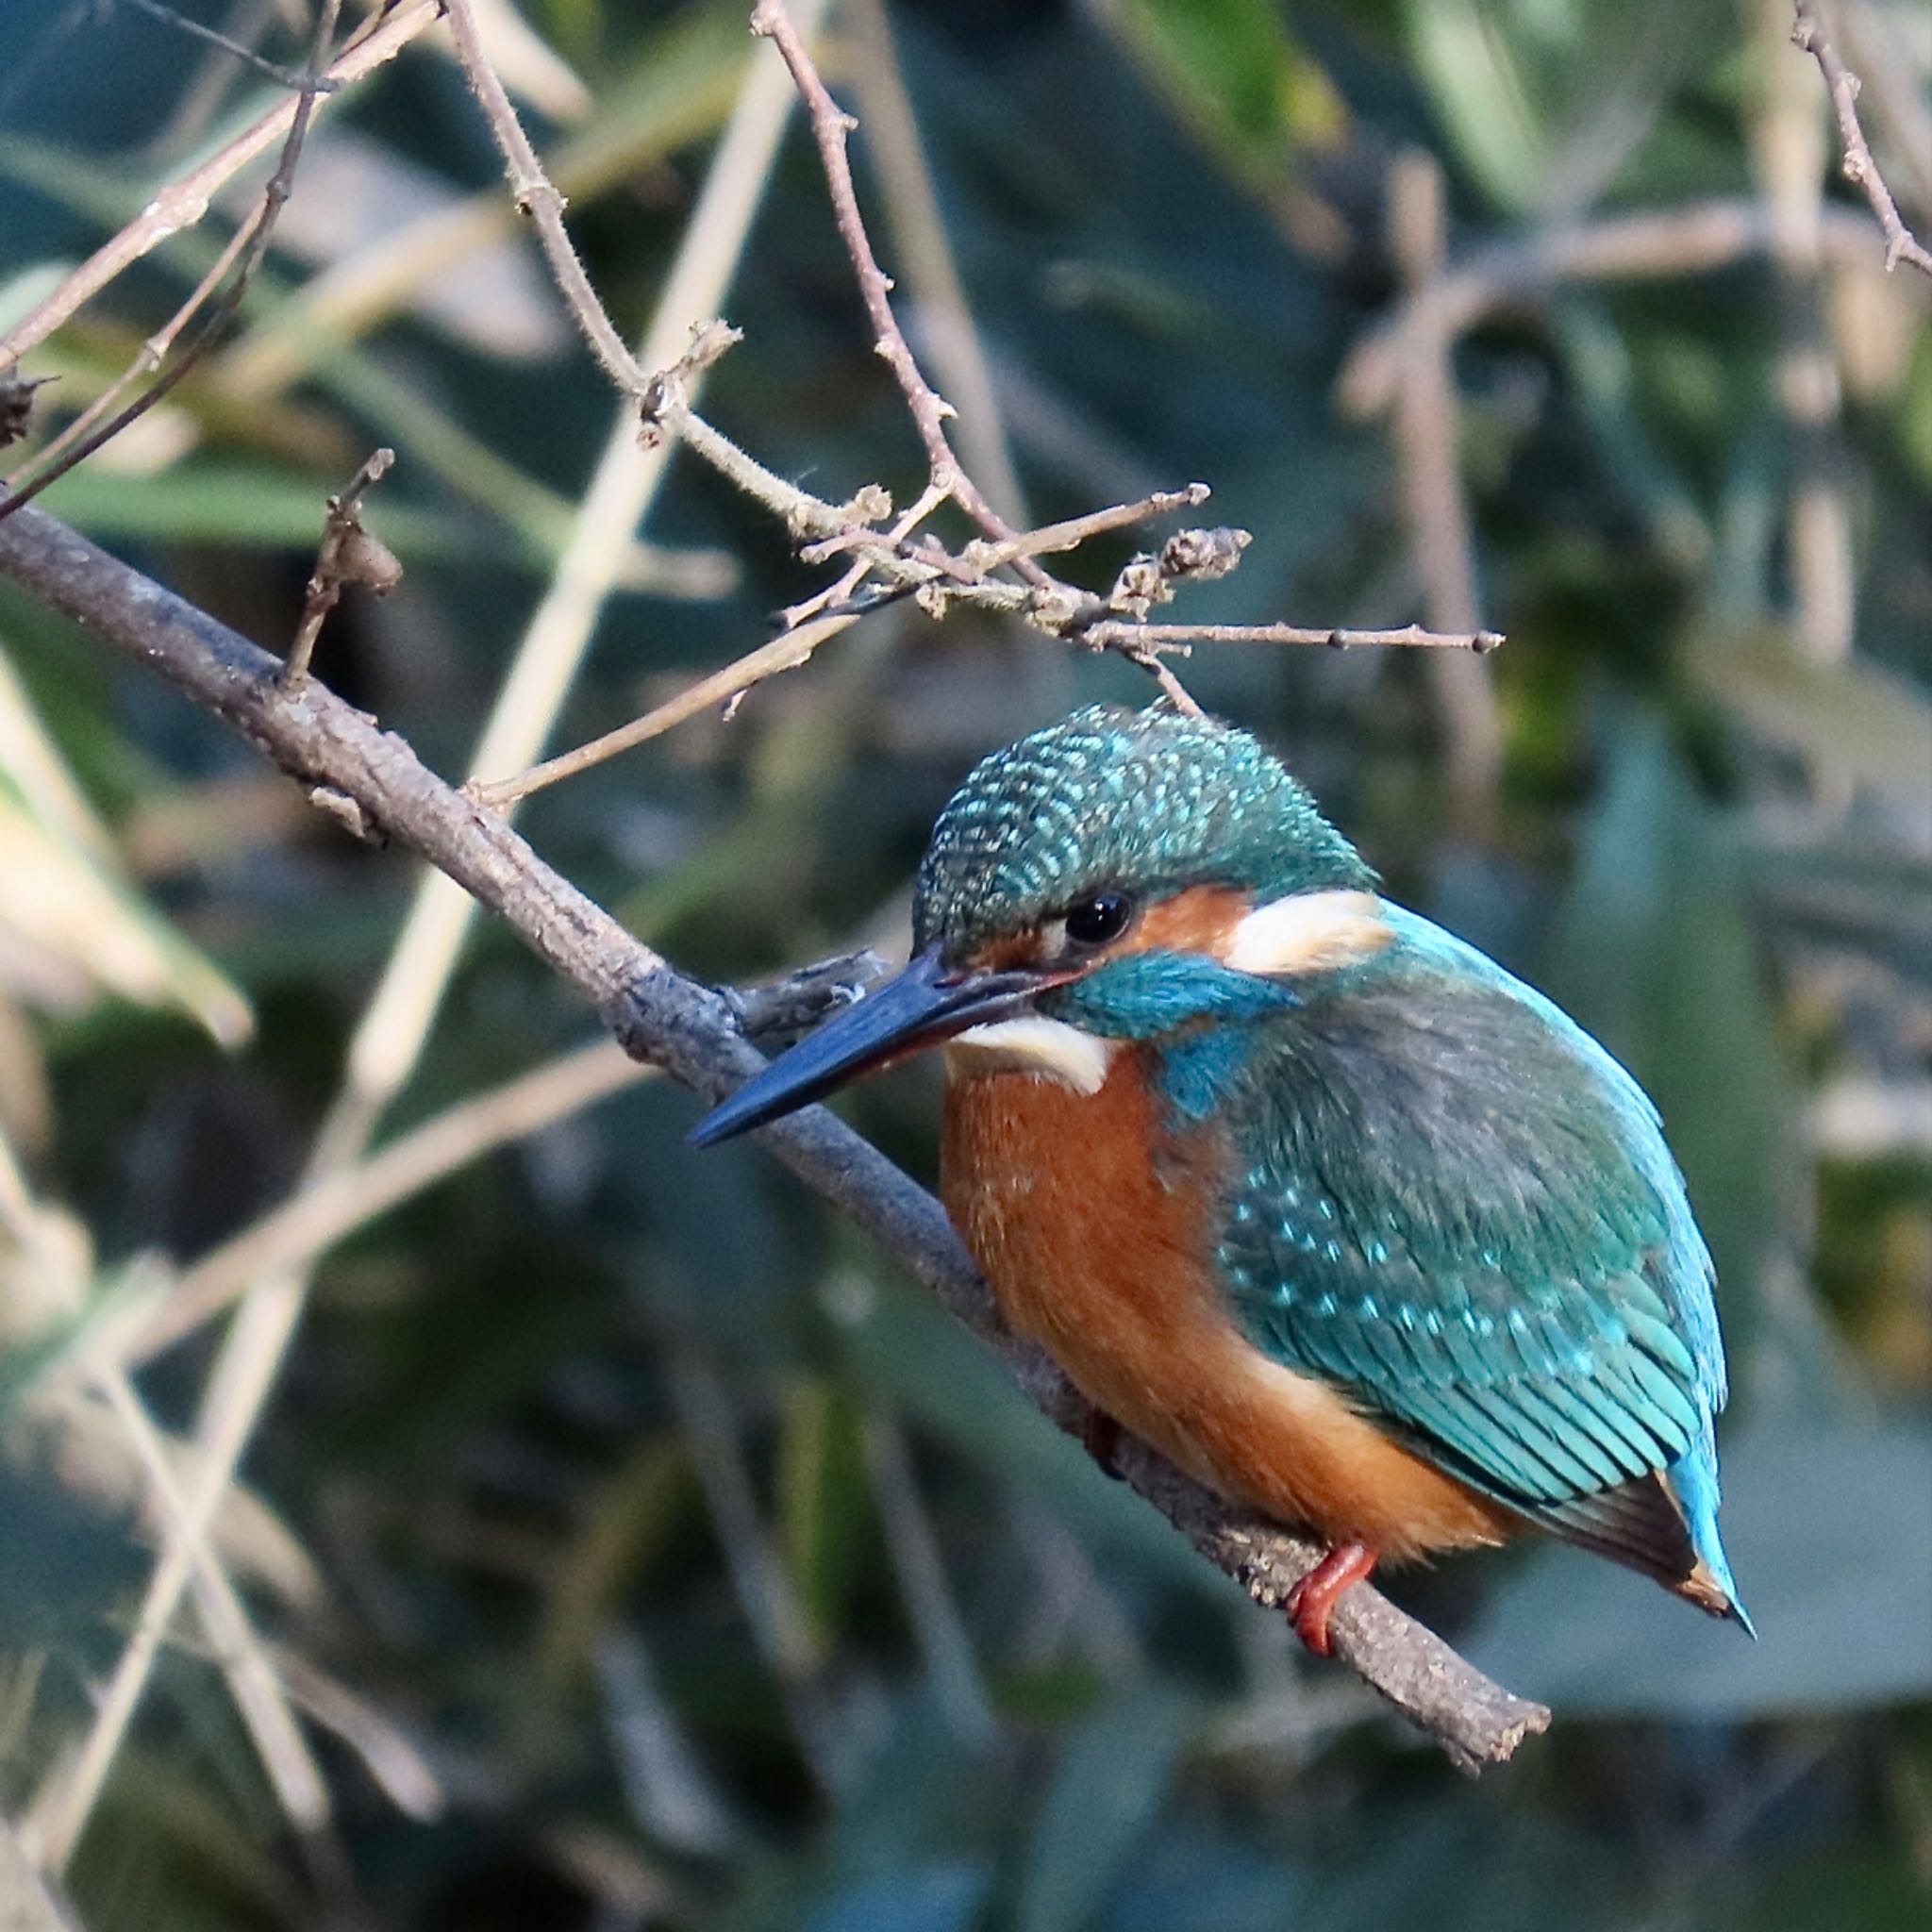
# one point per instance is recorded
(1096, 1225)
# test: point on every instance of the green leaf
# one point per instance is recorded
(70, 910)
(823, 1498)
(1852, 717)
(1238, 76)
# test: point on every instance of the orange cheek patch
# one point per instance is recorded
(1202, 918)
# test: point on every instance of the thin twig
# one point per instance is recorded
(274, 197)
(349, 554)
(786, 652)
(666, 1019)
(1113, 633)
(831, 128)
(153, 354)
(1901, 244)
(943, 316)
(183, 203)
(169, 16)
(539, 199)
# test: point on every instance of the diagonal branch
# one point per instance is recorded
(1861, 170)
(690, 1031)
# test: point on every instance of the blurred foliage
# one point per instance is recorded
(532, 1404)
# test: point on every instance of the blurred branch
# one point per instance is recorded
(26, 1905)
(1426, 431)
(1901, 244)
(1688, 240)
(820, 1723)
(1787, 152)
(67, 1797)
(690, 1032)
(390, 1036)
(332, 1206)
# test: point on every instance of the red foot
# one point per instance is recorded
(1100, 1433)
(1311, 1602)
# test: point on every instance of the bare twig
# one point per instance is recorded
(784, 652)
(1901, 244)
(183, 203)
(349, 554)
(941, 315)
(831, 128)
(662, 1016)
(194, 29)
(538, 198)
(1111, 634)
(153, 352)
(274, 197)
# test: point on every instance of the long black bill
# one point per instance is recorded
(917, 1008)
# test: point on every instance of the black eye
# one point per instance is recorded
(1094, 922)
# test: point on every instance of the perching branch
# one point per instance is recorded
(691, 1033)
(1901, 244)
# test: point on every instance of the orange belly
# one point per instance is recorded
(1095, 1226)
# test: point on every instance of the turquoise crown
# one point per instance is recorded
(1152, 800)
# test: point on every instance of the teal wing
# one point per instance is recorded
(1455, 1204)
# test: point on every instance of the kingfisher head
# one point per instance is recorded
(1120, 876)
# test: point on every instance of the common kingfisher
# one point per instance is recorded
(1356, 1227)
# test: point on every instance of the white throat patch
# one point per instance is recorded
(1309, 932)
(1046, 1049)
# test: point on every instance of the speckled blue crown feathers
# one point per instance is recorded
(1152, 799)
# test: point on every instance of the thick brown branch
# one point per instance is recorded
(690, 1031)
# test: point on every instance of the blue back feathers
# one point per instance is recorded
(1442, 1194)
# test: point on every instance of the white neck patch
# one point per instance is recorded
(1309, 932)
(1046, 1049)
